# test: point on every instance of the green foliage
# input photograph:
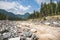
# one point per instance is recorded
(34, 15)
(49, 9)
(2, 16)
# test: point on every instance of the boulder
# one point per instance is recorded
(6, 35)
(1, 37)
(16, 38)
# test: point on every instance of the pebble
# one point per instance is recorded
(27, 34)
(28, 39)
(22, 38)
(33, 30)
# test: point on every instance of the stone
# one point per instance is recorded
(16, 38)
(3, 31)
(5, 39)
(6, 35)
(34, 37)
(1, 37)
(20, 30)
(33, 30)
(47, 23)
(26, 29)
(28, 39)
(27, 34)
(22, 38)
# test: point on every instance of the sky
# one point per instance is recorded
(22, 6)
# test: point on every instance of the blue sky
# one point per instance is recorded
(21, 6)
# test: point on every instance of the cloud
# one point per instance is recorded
(14, 7)
(6, 5)
(55, 1)
(39, 1)
(24, 8)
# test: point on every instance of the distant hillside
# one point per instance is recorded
(9, 15)
(25, 16)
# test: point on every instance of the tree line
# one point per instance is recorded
(47, 9)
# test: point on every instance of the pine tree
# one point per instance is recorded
(51, 7)
(41, 9)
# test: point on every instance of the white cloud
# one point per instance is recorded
(39, 1)
(55, 1)
(14, 7)
(6, 5)
(24, 8)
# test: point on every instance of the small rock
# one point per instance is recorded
(22, 38)
(27, 34)
(34, 37)
(33, 30)
(1, 37)
(20, 30)
(6, 35)
(26, 29)
(28, 38)
(5, 39)
(16, 38)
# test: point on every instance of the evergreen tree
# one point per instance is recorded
(41, 10)
(51, 10)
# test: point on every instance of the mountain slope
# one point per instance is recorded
(11, 16)
(25, 16)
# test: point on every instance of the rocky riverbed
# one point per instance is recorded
(53, 23)
(14, 30)
(27, 30)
